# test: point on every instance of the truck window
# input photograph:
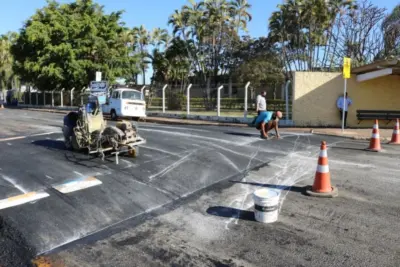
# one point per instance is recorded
(131, 95)
(115, 95)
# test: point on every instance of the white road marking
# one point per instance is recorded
(9, 144)
(12, 138)
(22, 199)
(39, 134)
(49, 177)
(172, 127)
(76, 185)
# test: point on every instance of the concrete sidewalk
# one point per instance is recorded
(358, 134)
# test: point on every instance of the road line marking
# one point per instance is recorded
(172, 127)
(39, 134)
(12, 138)
(77, 184)
(23, 137)
(22, 199)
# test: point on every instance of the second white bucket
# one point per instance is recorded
(266, 205)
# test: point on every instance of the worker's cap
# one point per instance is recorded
(279, 114)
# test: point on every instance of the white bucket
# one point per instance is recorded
(266, 205)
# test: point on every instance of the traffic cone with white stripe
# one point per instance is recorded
(322, 181)
(396, 135)
(375, 142)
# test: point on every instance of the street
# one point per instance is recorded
(186, 200)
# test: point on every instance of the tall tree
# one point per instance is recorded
(142, 39)
(63, 45)
(211, 29)
(8, 78)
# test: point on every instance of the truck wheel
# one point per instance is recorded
(114, 116)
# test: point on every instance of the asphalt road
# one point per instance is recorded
(186, 200)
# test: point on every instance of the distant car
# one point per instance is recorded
(125, 102)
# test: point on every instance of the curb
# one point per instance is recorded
(382, 139)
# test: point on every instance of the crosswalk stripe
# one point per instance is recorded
(77, 184)
(22, 199)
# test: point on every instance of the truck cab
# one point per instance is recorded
(125, 102)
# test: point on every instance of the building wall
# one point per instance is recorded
(315, 95)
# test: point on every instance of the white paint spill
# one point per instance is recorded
(160, 150)
(230, 162)
(14, 183)
(9, 144)
(193, 136)
(128, 163)
(80, 174)
(171, 167)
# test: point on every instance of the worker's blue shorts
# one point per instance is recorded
(265, 116)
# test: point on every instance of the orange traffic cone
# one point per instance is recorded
(396, 135)
(375, 142)
(322, 181)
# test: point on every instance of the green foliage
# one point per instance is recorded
(179, 103)
(8, 79)
(63, 45)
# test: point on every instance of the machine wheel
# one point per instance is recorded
(114, 116)
(133, 152)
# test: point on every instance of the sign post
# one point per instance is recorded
(346, 75)
(99, 89)
(98, 76)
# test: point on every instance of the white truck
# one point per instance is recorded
(125, 102)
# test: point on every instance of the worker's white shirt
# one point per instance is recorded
(261, 103)
(347, 102)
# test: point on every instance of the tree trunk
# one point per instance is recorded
(230, 85)
(144, 76)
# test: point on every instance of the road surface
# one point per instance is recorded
(177, 203)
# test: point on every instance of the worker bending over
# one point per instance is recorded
(266, 121)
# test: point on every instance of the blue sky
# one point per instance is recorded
(150, 13)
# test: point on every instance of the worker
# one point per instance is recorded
(266, 121)
(261, 105)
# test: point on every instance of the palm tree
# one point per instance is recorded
(142, 39)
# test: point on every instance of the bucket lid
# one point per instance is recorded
(266, 193)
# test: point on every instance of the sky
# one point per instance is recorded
(150, 13)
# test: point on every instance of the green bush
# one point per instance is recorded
(178, 102)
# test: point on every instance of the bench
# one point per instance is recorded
(388, 115)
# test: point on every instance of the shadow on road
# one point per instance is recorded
(297, 189)
(51, 144)
(243, 134)
(349, 148)
(227, 212)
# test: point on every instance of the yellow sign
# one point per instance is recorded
(346, 67)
